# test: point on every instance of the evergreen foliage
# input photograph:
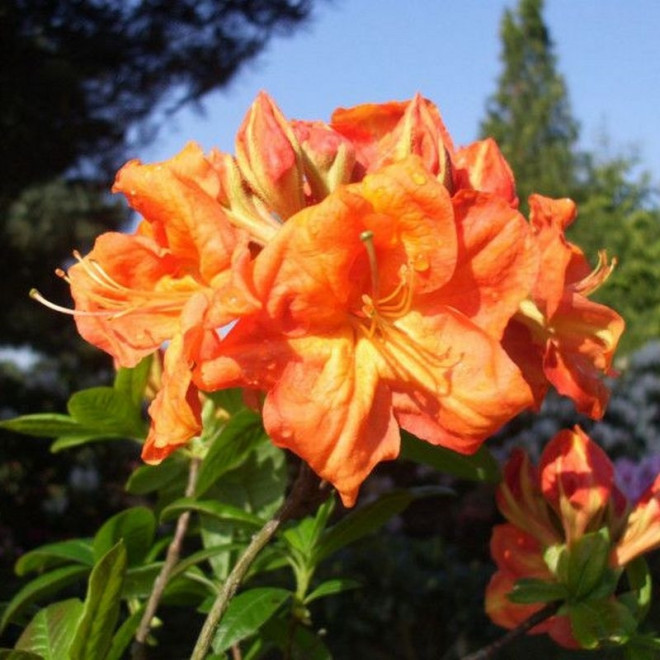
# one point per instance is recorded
(529, 115)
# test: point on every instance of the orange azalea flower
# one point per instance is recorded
(559, 336)
(184, 271)
(573, 494)
(642, 531)
(518, 554)
(384, 133)
(362, 328)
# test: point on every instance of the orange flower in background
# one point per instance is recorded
(559, 337)
(361, 328)
(572, 494)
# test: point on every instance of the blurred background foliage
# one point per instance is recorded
(82, 83)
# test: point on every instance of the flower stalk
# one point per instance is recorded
(306, 489)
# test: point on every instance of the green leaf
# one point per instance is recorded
(304, 535)
(44, 425)
(601, 621)
(642, 647)
(480, 466)
(256, 487)
(532, 590)
(367, 519)
(638, 599)
(133, 382)
(588, 563)
(50, 631)
(13, 654)
(230, 399)
(40, 588)
(101, 609)
(70, 441)
(124, 636)
(135, 526)
(246, 613)
(150, 478)
(47, 556)
(107, 410)
(332, 587)
(236, 439)
(217, 510)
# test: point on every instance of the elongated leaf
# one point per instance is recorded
(136, 527)
(367, 519)
(132, 382)
(332, 587)
(50, 631)
(124, 636)
(217, 510)
(480, 466)
(246, 613)
(101, 609)
(106, 409)
(151, 478)
(241, 433)
(532, 590)
(44, 425)
(65, 442)
(588, 564)
(13, 654)
(595, 622)
(638, 600)
(78, 551)
(41, 588)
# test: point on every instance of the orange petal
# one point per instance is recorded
(178, 197)
(496, 265)
(479, 388)
(518, 553)
(642, 532)
(580, 351)
(577, 478)
(481, 166)
(176, 410)
(331, 409)
(521, 501)
(129, 296)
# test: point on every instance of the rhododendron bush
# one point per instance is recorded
(327, 298)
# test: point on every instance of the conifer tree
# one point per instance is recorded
(529, 115)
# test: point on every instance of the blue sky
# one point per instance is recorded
(357, 51)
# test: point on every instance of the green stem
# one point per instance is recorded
(297, 501)
(493, 649)
(171, 560)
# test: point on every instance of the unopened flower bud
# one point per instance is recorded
(577, 479)
(328, 157)
(269, 158)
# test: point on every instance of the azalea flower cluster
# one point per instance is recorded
(570, 534)
(358, 276)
